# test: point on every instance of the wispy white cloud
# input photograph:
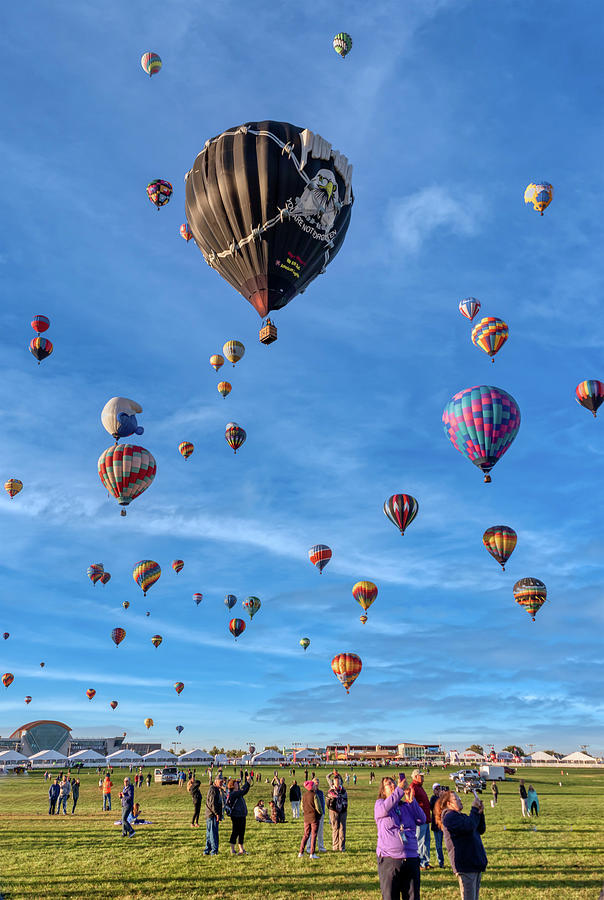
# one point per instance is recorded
(414, 219)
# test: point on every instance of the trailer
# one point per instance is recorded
(493, 773)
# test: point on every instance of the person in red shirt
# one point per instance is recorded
(423, 831)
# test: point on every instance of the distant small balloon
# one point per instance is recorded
(105, 577)
(178, 565)
(28, 700)
(185, 232)
(156, 640)
(179, 687)
(224, 388)
(234, 351)
(159, 192)
(90, 693)
(118, 635)
(230, 600)
(151, 62)
(197, 598)
(180, 728)
(41, 348)
(13, 487)
(540, 195)
(469, 307)
(7, 679)
(236, 627)
(126, 604)
(185, 448)
(235, 436)
(319, 556)
(589, 394)
(149, 724)
(113, 704)
(216, 361)
(40, 324)
(342, 44)
(305, 643)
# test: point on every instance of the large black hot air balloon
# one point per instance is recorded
(269, 205)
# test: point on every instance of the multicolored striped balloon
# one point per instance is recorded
(126, 470)
(342, 44)
(185, 232)
(347, 668)
(105, 577)
(490, 334)
(236, 627)
(179, 687)
(159, 192)
(590, 394)
(224, 388)
(185, 448)
(151, 63)
(481, 422)
(146, 573)
(319, 556)
(178, 565)
(469, 307)
(540, 195)
(148, 723)
(401, 509)
(235, 436)
(90, 693)
(40, 323)
(500, 541)
(40, 348)
(95, 572)
(365, 593)
(156, 640)
(118, 635)
(7, 679)
(197, 598)
(13, 487)
(531, 594)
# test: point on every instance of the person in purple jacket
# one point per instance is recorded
(396, 816)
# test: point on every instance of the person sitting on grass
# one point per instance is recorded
(261, 814)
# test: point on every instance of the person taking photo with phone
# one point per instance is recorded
(462, 840)
(397, 816)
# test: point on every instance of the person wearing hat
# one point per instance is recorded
(312, 813)
(423, 831)
(435, 828)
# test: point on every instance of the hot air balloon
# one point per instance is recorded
(342, 44)
(42, 664)
(540, 195)
(180, 729)
(118, 635)
(159, 192)
(469, 307)
(126, 471)
(179, 687)
(319, 556)
(490, 334)
(118, 417)
(28, 700)
(531, 594)
(13, 487)
(150, 62)
(236, 627)
(6, 635)
(90, 693)
(364, 592)
(305, 643)
(7, 679)
(178, 565)
(216, 361)
(481, 422)
(40, 324)
(252, 605)
(149, 724)
(235, 436)
(95, 571)
(269, 205)
(40, 348)
(363, 619)
(126, 604)
(156, 640)
(234, 351)
(401, 509)
(230, 600)
(500, 541)
(197, 598)
(113, 704)
(146, 573)
(590, 394)
(346, 667)
(105, 577)
(185, 448)
(185, 232)
(224, 388)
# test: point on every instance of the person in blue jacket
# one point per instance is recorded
(53, 796)
(127, 796)
(462, 840)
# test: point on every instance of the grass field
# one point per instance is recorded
(84, 856)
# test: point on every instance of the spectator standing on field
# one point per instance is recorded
(321, 798)
(53, 795)
(65, 790)
(397, 854)
(436, 829)
(462, 839)
(193, 788)
(127, 798)
(148, 779)
(237, 810)
(495, 793)
(295, 796)
(423, 831)
(75, 793)
(311, 810)
(532, 801)
(107, 785)
(337, 804)
(213, 816)
(523, 796)
(280, 801)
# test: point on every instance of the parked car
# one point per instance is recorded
(468, 784)
(509, 770)
(464, 773)
(167, 775)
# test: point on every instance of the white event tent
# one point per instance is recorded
(159, 756)
(12, 758)
(87, 758)
(267, 756)
(196, 756)
(304, 754)
(542, 756)
(579, 757)
(48, 759)
(123, 757)
(221, 759)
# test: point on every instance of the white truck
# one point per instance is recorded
(493, 773)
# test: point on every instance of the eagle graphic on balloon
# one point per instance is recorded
(319, 201)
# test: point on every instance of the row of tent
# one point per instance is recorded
(125, 757)
(540, 756)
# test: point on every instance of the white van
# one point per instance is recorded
(167, 775)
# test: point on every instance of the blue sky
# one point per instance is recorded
(447, 110)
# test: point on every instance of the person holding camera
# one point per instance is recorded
(397, 816)
(462, 840)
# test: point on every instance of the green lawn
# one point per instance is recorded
(84, 856)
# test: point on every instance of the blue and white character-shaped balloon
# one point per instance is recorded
(119, 417)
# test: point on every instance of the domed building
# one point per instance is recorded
(44, 734)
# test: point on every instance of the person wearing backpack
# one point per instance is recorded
(236, 809)
(193, 789)
(213, 816)
(337, 804)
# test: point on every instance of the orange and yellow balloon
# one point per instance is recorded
(346, 667)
